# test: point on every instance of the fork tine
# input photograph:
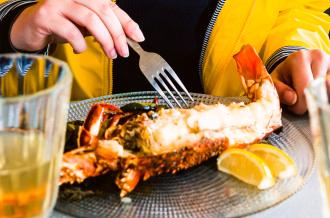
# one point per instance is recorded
(177, 79)
(168, 90)
(150, 64)
(159, 90)
(173, 86)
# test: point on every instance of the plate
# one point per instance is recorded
(201, 191)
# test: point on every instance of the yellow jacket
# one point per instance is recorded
(268, 25)
(275, 28)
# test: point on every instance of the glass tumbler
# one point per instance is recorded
(318, 96)
(34, 99)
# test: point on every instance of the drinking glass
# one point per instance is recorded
(317, 96)
(34, 99)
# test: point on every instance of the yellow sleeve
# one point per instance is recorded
(301, 24)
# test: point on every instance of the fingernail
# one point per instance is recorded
(290, 98)
(138, 35)
(124, 50)
(112, 54)
(75, 52)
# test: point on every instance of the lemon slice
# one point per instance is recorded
(279, 162)
(247, 167)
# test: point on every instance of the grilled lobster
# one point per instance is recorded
(140, 145)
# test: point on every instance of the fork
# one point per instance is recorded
(153, 66)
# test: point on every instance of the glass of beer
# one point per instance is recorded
(318, 96)
(34, 100)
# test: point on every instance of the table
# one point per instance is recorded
(304, 204)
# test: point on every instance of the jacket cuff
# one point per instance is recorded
(280, 55)
(8, 14)
(8, 6)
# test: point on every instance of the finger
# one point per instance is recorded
(131, 28)
(286, 94)
(104, 9)
(86, 18)
(302, 74)
(67, 31)
(320, 63)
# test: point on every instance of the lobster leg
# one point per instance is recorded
(82, 163)
(127, 180)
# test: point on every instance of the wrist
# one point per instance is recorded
(22, 36)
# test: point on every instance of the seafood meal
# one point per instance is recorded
(138, 145)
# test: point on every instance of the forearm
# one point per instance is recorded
(296, 29)
(298, 50)
(9, 10)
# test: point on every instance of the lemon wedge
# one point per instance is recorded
(279, 162)
(246, 166)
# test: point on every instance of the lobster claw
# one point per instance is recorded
(89, 131)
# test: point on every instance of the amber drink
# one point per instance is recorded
(34, 96)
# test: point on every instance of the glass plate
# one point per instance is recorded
(201, 191)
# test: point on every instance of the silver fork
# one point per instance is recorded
(153, 66)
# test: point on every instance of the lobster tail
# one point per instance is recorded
(252, 71)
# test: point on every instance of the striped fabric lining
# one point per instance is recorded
(11, 5)
(207, 36)
(6, 7)
(279, 55)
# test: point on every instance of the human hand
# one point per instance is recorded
(51, 21)
(293, 75)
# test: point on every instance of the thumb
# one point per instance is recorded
(287, 95)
